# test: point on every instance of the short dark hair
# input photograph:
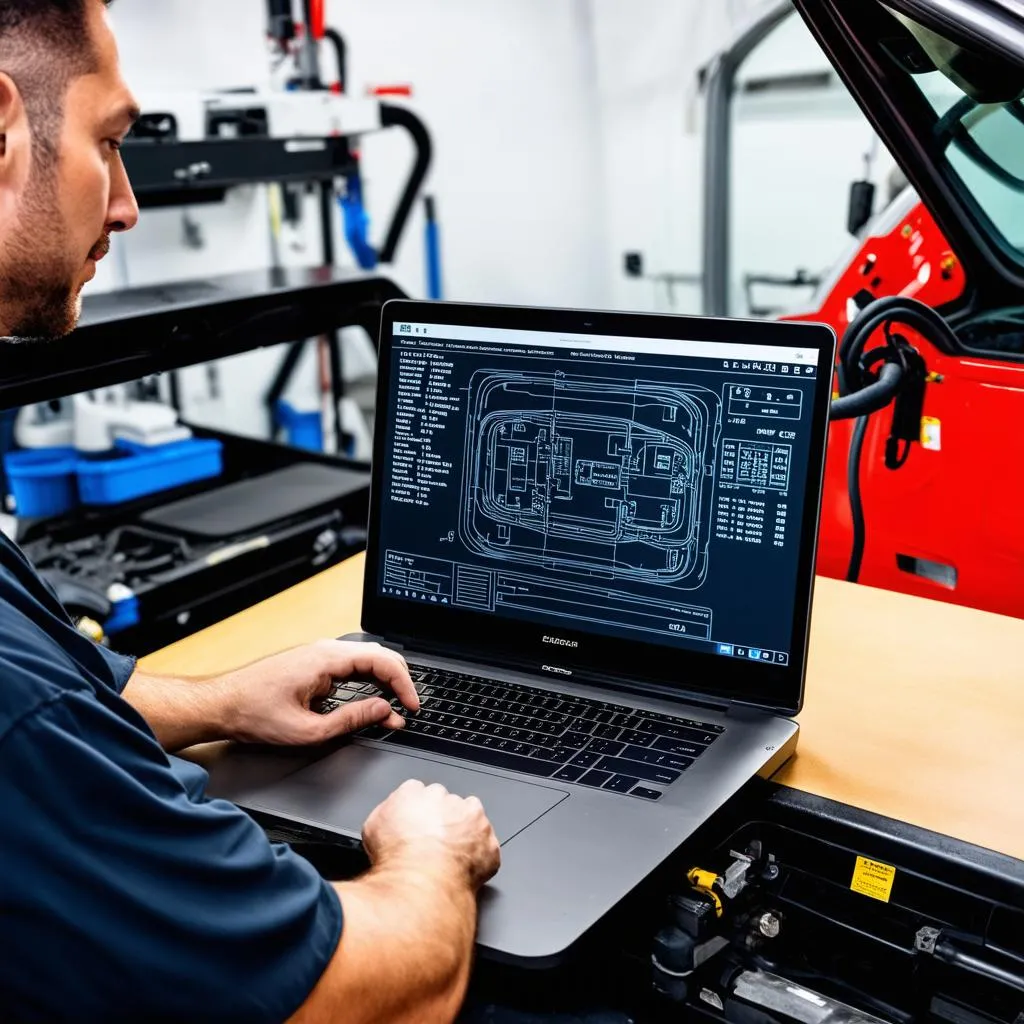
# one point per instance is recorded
(44, 46)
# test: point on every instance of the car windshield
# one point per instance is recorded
(984, 144)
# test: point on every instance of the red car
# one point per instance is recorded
(941, 82)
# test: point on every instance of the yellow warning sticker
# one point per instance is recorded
(931, 433)
(872, 878)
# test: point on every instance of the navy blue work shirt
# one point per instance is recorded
(125, 894)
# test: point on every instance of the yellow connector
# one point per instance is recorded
(91, 628)
(704, 881)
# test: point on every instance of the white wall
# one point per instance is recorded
(793, 157)
(648, 54)
(506, 88)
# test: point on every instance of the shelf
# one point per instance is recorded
(177, 173)
(129, 334)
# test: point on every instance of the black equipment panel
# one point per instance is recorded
(252, 504)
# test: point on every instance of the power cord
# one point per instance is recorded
(862, 394)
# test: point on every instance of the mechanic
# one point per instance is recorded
(125, 894)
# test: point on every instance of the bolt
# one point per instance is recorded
(925, 940)
(769, 926)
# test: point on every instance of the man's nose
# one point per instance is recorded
(123, 211)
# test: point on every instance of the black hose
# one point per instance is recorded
(893, 308)
(862, 404)
(341, 52)
(860, 399)
(389, 117)
(870, 399)
(944, 951)
(856, 503)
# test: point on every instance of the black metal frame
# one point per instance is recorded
(390, 116)
(172, 173)
(131, 334)
(848, 33)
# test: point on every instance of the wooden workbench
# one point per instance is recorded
(914, 709)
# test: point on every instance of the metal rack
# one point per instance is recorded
(128, 335)
(173, 173)
(133, 333)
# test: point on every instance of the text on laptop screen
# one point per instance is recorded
(632, 487)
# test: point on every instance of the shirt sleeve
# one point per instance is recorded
(135, 901)
(121, 666)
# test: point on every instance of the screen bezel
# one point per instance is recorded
(660, 670)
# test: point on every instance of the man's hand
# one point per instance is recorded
(415, 911)
(426, 826)
(269, 701)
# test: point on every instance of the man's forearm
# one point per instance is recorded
(405, 952)
(181, 712)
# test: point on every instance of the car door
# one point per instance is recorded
(941, 82)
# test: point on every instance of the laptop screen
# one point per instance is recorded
(647, 489)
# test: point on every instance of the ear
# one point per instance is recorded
(15, 141)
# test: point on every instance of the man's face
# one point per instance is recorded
(66, 212)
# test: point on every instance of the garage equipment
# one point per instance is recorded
(829, 914)
(147, 569)
(302, 135)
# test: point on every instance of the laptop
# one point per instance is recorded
(592, 537)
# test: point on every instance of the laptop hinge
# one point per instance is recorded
(740, 710)
(578, 676)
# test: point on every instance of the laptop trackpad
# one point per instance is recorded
(339, 792)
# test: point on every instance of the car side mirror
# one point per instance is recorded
(862, 206)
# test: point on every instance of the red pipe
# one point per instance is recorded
(318, 16)
(390, 90)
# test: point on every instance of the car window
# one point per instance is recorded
(984, 144)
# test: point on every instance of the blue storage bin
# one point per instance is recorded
(304, 429)
(123, 615)
(42, 481)
(137, 470)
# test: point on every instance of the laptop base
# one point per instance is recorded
(569, 853)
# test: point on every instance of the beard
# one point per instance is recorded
(39, 292)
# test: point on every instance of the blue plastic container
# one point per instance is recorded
(123, 615)
(137, 470)
(42, 481)
(304, 429)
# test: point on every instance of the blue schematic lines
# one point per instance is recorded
(602, 477)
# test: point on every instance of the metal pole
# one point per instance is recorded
(309, 59)
(719, 84)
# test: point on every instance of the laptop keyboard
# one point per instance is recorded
(553, 736)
